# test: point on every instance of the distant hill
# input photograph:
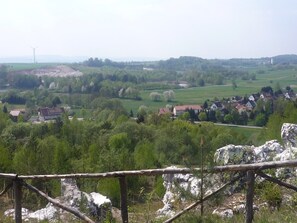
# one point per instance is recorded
(43, 59)
(285, 59)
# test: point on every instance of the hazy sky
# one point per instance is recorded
(148, 28)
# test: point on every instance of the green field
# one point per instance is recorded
(28, 66)
(198, 95)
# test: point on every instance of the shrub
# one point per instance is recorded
(272, 194)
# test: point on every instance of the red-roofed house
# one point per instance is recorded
(180, 109)
(164, 111)
(46, 114)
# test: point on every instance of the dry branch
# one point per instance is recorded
(204, 199)
(6, 189)
(56, 203)
(277, 181)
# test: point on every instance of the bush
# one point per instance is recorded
(272, 194)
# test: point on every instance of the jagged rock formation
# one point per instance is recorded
(228, 155)
(93, 204)
(289, 134)
(241, 154)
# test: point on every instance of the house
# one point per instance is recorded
(46, 114)
(290, 95)
(266, 96)
(183, 84)
(164, 111)
(16, 113)
(216, 105)
(236, 98)
(180, 109)
(241, 108)
(250, 105)
(254, 97)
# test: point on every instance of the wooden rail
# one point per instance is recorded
(250, 169)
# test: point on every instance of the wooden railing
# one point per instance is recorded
(249, 170)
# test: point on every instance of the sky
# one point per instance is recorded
(148, 29)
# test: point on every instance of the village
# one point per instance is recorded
(254, 108)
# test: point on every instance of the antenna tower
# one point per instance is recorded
(34, 56)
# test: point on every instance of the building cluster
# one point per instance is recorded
(44, 114)
(246, 104)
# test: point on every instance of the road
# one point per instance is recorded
(240, 126)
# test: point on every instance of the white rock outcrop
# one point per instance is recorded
(268, 151)
(231, 154)
(224, 213)
(94, 204)
(289, 134)
(177, 185)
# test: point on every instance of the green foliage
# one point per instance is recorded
(111, 189)
(272, 194)
(202, 116)
(197, 218)
(159, 188)
(228, 118)
(5, 160)
(260, 120)
(185, 116)
(144, 156)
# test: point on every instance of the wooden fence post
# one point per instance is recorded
(17, 190)
(250, 196)
(124, 206)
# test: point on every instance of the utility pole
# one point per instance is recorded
(34, 56)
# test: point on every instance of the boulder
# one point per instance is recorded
(289, 134)
(10, 212)
(224, 213)
(93, 204)
(232, 154)
(239, 209)
(268, 151)
(178, 186)
(50, 212)
(166, 211)
(287, 154)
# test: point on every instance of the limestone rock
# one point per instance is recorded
(287, 154)
(232, 154)
(50, 212)
(166, 211)
(224, 213)
(10, 212)
(239, 208)
(93, 204)
(177, 185)
(289, 134)
(268, 151)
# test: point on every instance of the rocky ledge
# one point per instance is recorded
(272, 150)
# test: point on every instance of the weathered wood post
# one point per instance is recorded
(17, 191)
(250, 196)
(124, 206)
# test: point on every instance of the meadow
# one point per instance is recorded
(198, 95)
(29, 66)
